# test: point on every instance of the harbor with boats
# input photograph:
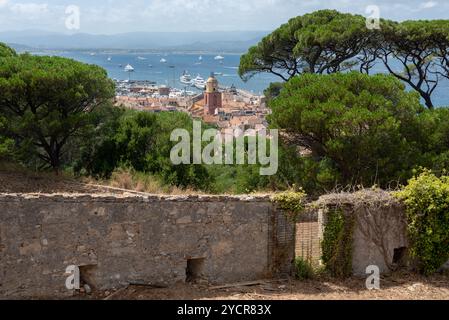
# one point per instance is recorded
(166, 69)
(169, 82)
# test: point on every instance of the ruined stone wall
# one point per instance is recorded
(380, 229)
(137, 239)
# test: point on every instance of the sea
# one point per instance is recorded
(148, 66)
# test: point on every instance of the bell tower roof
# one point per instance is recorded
(212, 84)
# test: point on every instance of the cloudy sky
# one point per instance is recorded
(116, 16)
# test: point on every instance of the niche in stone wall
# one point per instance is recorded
(195, 270)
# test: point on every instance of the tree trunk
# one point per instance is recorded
(55, 159)
(428, 100)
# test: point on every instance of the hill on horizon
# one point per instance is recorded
(236, 41)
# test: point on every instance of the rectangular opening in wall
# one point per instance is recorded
(399, 257)
(194, 270)
(88, 275)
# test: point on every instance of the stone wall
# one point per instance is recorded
(380, 230)
(118, 240)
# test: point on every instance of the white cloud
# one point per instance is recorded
(30, 9)
(428, 5)
(116, 16)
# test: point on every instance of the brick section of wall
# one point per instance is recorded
(309, 236)
(308, 242)
(282, 244)
(144, 239)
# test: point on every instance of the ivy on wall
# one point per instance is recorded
(337, 243)
(426, 198)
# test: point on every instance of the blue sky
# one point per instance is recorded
(116, 16)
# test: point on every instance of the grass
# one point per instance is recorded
(141, 182)
(304, 269)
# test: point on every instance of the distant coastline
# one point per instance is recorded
(121, 51)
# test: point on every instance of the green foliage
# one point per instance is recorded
(361, 129)
(427, 200)
(291, 202)
(420, 47)
(434, 141)
(6, 144)
(328, 41)
(141, 141)
(6, 51)
(47, 100)
(337, 243)
(303, 269)
(324, 41)
(273, 90)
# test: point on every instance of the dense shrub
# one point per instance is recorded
(427, 200)
(292, 202)
(141, 141)
(6, 144)
(6, 51)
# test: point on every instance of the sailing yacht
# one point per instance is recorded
(200, 61)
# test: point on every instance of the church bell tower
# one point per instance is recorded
(212, 96)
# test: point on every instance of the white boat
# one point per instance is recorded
(163, 60)
(199, 82)
(219, 58)
(150, 66)
(186, 78)
(109, 59)
(141, 58)
(218, 73)
(129, 68)
(200, 61)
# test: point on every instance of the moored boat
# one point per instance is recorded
(199, 82)
(186, 78)
(129, 68)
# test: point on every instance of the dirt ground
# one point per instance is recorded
(396, 287)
